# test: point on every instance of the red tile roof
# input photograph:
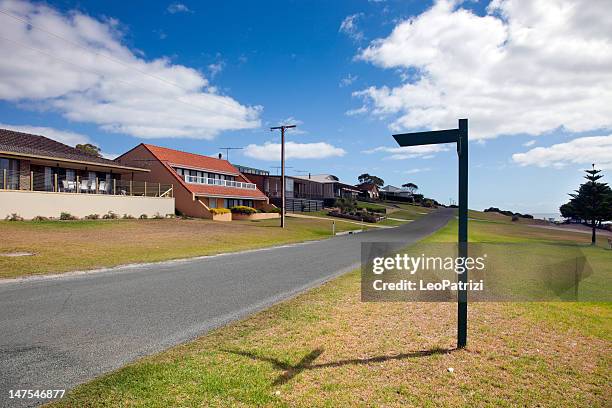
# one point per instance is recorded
(170, 157)
(191, 159)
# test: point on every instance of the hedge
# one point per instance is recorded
(217, 211)
(243, 209)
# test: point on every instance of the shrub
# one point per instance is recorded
(170, 216)
(217, 211)
(14, 217)
(110, 216)
(66, 216)
(143, 216)
(40, 218)
(274, 210)
(127, 217)
(346, 205)
(158, 216)
(92, 217)
(515, 218)
(243, 209)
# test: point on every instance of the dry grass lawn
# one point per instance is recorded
(61, 246)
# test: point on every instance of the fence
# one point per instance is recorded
(38, 181)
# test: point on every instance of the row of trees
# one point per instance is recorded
(592, 202)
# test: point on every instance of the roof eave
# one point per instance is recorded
(64, 160)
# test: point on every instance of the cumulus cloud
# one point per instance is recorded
(178, 8)
(271, 151)
(583, 150)
(349, 27)
(409, 152)
(88, 75)
(525, 67)
(62, 136)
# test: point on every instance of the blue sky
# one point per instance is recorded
(349, 73)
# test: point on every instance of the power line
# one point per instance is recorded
(111, 58)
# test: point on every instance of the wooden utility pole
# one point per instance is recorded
(282, 129)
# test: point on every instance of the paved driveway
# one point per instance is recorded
(58, 332)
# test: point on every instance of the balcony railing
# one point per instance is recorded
(219, 182)
(35, 181)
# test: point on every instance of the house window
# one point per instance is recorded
(212, 202)
(11, 168)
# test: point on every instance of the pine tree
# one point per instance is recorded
(593, 200)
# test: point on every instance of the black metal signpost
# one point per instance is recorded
(459, 136)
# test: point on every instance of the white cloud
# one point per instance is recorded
(357, 111)
(347, 80)
(409, 152)
(583, 150)
(527, 66)
(350, 28)
(271, 151)
(529, 143)
(89, 75)
(414, 171)
(62, 136)
(178, 8)
(216, 68)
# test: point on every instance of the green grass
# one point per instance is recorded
(326, 348)
(62, 246)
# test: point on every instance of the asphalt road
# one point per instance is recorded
(61, 331)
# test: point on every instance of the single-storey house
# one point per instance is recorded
(201, 183)
(302, 193)
(42, 177)
(369, 190)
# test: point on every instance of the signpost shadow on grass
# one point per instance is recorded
(306, 363)
(460, 137)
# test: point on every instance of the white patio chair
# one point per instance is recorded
(102, 187)
(71, 186)
(84, 186)
(92, 186)
(65, 185)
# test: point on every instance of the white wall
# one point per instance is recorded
(29, 204)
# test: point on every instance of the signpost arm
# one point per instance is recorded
(462, 152)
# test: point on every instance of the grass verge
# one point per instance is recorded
(327, 348)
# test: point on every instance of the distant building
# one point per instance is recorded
(302, 193)
(390, 192)
(369, 190)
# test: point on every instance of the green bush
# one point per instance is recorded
(40, 218)
(66, 216)
(243, 209)
(92, 217)
(14, 217)
(158, 216)
(127, 217)
(110, 216)
(274, 210)
(217, 211)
